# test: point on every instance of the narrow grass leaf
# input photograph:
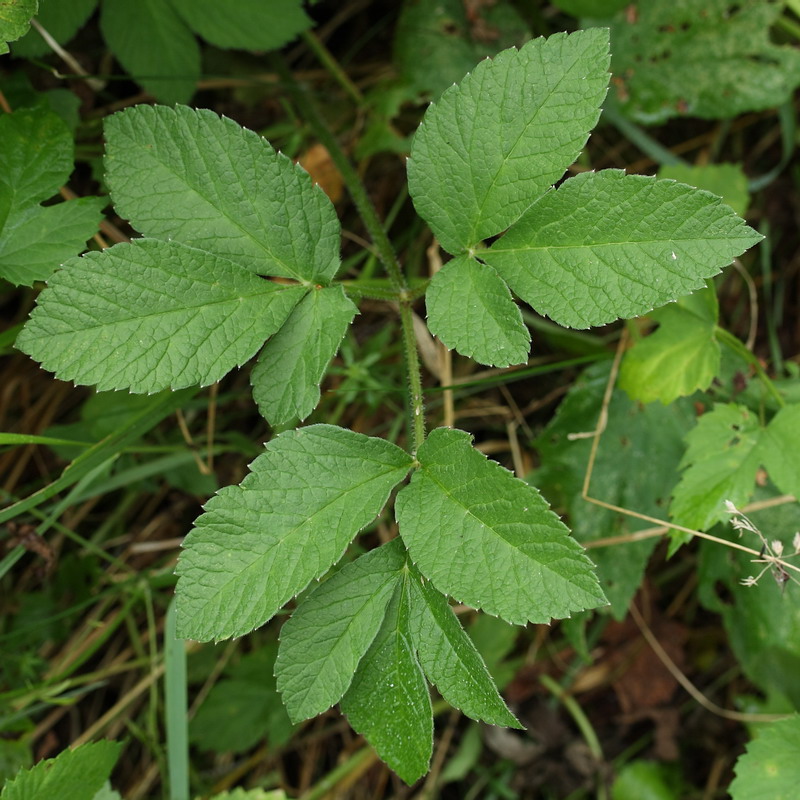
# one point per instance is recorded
(332, 628)
(606, 245)
(291, 366)
(488, 539)
(388, 701)
(258, 544)
(471, 310)
(203, 180)
(151, 315)
(496, 141)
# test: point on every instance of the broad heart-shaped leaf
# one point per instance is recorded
(488, 539)
(491, 145)
(77, 774)
(292, 364)
(702, 58)
(152, 43)
(152, 315)
(471, 310)
(259, 544)
(681, 357)
(205, 181)
(449, 658)
(606, 245)
(15, 17)
(35, 160)
(332, 628)
(724, 451)
(388, 701)
(636, 467)
(770, 769)
(245, 24)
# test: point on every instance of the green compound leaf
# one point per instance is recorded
(205, 181)
(636, 467)
(726, 180)
(15, 18)
(488, 539)
(449, 657)
(702, 58)
(152, 315)
(77, 774)
(681, 357)
(579, 264)
(258, 544)
(471, 310)
(770, 769)
(388, 702)
(151, 42)
(291, 366)
(725, 449)
(333, 628)
(35, 160)
(245, 24)
(491, 145)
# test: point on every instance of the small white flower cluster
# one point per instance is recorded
(771, 552)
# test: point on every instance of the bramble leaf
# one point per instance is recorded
(245, 24)
(258, 544)
(35, 160)
(77, 774)
(205, 181)
(579, 264)
(495, 142)
(15, 16)
(725, 449)
(679, 358)
(292, 364)
(770, 769)
(152, 315)
(151, 41)
(388, 701)
(332, 628)
(701, 58)
(488, 539)
(471, 310)
(449, 658)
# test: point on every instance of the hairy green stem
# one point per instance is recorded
(380, 239)
(734, 344)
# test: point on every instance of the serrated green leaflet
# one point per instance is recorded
(332, 628)
(449, 658)
(388, 701)
(258, 544)
(679, 358)
(35, 160)
(488, 539)
(291, 366)
(726, 180)
(724, 451)
(636, 467)
(154, 46)
(15, 17)
(73, 775)
(471, 310)
(205, 181)
(246, 24)
(491, 145)
(770, 769)
(579, 264)
(152, 315)
(702, 58)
